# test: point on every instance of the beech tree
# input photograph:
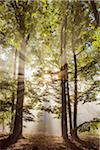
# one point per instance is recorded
(19, 17)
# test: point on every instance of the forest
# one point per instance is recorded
(49, 74)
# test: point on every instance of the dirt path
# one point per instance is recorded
(43, 142)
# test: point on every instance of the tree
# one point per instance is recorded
(63, 79)
(67, 80)
(23, 30)
(75, 92)
(13, 94)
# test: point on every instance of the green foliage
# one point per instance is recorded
(90, 94)
(6, 88)
(89, 126)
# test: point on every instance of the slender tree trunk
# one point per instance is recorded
(69, 102)
(96, 13)
(65, 73)
(3, 123)
(66, 69)
(17, 131)
(13, 94)
(75, 94)
(63, 81)
(74, 131)
(64, 112)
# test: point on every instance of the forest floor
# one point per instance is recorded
(44, 142)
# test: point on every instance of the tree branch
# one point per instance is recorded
(95, 11)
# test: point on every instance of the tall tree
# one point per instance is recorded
(17, 131)
(75, 92)
(13, 94)
(69, 100)
(20, 18)
(67, 76)
(63, 80)
(23, 30)
(76, 18)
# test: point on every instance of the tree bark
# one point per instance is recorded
(75, 94)
(13, 94)
(64, 71)
(63, 81)
(64, 114)
(3, 123)
(17, 131)
(68, 97)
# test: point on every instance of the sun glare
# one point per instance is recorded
(47, 78)
(28, 73)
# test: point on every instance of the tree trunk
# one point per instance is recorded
(75, 94)
(13, 94)
(17, 131)
(63, 81)
(3, 123)
(64, 112)
(68, 96)
(96, 13)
